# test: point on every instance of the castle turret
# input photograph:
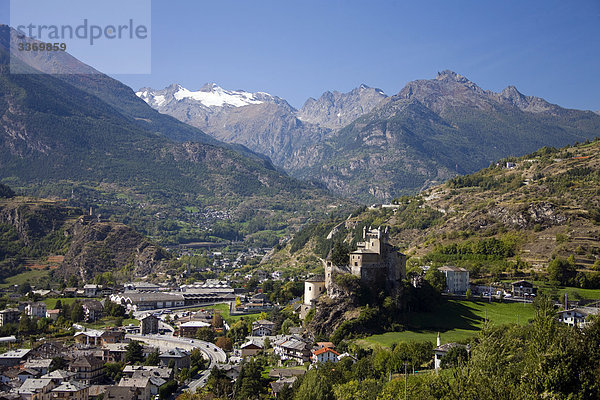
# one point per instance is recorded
(313, 288)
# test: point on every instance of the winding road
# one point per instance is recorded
(213, 353)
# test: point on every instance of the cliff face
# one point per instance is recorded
(331, 313)
(98, 247)
(43, 228)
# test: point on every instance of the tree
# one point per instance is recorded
(224, 343)
(286, 325)
(355, 390)
(166, 390)
(217, 320)
(561, 271)
(315, 386)
(238, 331)
(197, 359)
(340, 255)
(184, 375)
(114, 309)
(114, 371)
(219, 384)
(134, 352)
(58, 363)
(436, 279)
(455, 357)
(250, 384)
(77, 313)
(206, 334)
(25, 288)
(153, 358)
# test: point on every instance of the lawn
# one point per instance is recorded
(109, 322)
(51, 303)
(455, 320)
(573, 292)
(223, 309)
(31, 276)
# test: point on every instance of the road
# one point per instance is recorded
(213, 353)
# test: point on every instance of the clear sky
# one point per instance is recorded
(298, 49)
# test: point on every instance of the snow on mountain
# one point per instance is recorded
(210, 95)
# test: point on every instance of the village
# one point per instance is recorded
(141, 340)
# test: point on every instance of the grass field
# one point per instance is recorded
(573, 293)
(33, 277)
(231, 319)
(109, 322)
(51, 303)
(455, 320)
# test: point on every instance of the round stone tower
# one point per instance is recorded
(313, 288)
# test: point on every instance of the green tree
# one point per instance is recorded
(250, 384)
(114, 371)
(166, 390)
(219, 384)
(238, 331)
(197, 359)
(58, 363)
(455, 357)
(436, 279)
(367, 389)
(153, 358)
(561, 271)
(340, 255)
(77, 313)
(206, 334)
(134, 352)
(315, 386)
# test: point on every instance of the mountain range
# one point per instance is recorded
(264, 123)
(371, 147)
(83, 136)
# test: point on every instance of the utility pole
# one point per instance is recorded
(405, 381)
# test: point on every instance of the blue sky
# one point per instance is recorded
(298, 49)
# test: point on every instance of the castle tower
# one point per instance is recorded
(313, 288)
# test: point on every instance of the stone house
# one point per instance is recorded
(72, 390)
(179, 357)
(149, 324)
(263, 327)
(88, 369)
(9, 316)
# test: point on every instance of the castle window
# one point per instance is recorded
(320, 289)
(356, 264)
(309, 288)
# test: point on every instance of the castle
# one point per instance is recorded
(375, 261)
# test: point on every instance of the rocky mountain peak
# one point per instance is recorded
(334, 110)
(448, 75)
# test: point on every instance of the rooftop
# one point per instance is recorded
(20, 353)
(73, 386)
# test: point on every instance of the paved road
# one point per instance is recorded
(213, 353)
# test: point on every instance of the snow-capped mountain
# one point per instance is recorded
(210, 95)
(262, 122)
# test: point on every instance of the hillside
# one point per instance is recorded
(35, 231)
(59, 140)
(433, 130)
(512, 217)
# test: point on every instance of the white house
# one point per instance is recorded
(457, 279)
(576, 316)
(325, 354)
